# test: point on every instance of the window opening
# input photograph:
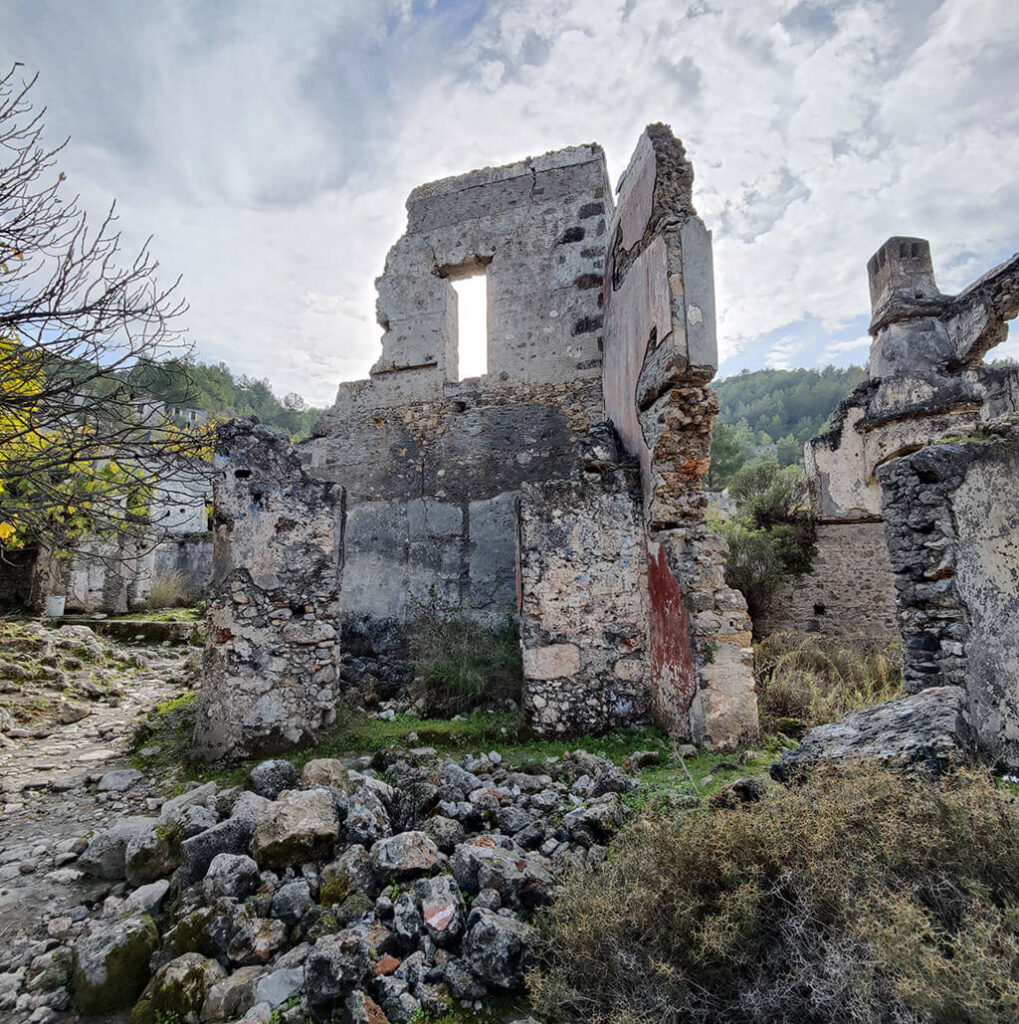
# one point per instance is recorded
(472, 325)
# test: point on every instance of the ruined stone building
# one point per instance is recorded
(916, 486)
(561, 488)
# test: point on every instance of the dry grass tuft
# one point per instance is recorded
(808, 680)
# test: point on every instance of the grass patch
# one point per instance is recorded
(192, 614)
(168, 731)
(809, 680)
(464, 664)
(860, 896)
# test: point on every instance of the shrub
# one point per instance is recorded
(815, 679)
(464, 664)
(860, 897)
(171, 589)
(772, 534)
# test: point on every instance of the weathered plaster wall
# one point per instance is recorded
(273, 651)
(954, 544)
(583, 620)
(536, 229)
(849, 592)
(432, 465)
(660, 354)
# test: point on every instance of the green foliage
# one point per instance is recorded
(784, 408)
(804, 681)
(783, 403)
(464, 664)
(858, 897)
(772, 534)
(215, 390)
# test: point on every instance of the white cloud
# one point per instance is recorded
(270, 153)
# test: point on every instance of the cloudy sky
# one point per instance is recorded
(269, 147)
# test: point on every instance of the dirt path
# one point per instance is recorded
(49, 801)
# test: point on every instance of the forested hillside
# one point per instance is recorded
(777, 410)
(215, 390)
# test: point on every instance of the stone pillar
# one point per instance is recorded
(660, 354)
(272, 652)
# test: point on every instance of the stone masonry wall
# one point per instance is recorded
(272, 651)
(431, 464)
(849, 592)
(954, 546)
(584, 592)
(660, 354)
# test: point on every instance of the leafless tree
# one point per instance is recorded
(76, 314)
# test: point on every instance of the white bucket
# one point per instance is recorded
(55, 606)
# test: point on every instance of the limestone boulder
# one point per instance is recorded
(110, 963)
(178, 991)
(301, 825)
(336, 964)
(198, 852)
(521, 879)
(351, 872)
(497, 948)
(442, 909)
(270, 778)
(107, 849)
(403, 856)
(230, 874)
(929, 730)
(152, 853)
(233, 996)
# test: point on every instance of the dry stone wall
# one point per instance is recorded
(955, 550)
(273, 648)
(583, 618)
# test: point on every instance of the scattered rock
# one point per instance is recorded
(301, 825)
(110, 964)
(929, 730)
(270, 778)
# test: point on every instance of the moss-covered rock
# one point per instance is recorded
(110, 965)
(178, 990)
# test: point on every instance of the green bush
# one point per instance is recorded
(859, 898)
(812, 679)
(772, 534)
(464, 664)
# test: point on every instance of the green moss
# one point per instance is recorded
(356, 905)
(334, 890)
(175, 993)
(126, 970)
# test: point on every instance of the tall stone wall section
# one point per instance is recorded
(926, 447)
(273, 642)
(660, 354)
(432, 464)
(584, 596)
(506, 494)
(849, 592)
(955, 550)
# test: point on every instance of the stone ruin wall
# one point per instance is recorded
(271, 662)
(926, 449)
(510, 494)
(849, 592)
(660, 354)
